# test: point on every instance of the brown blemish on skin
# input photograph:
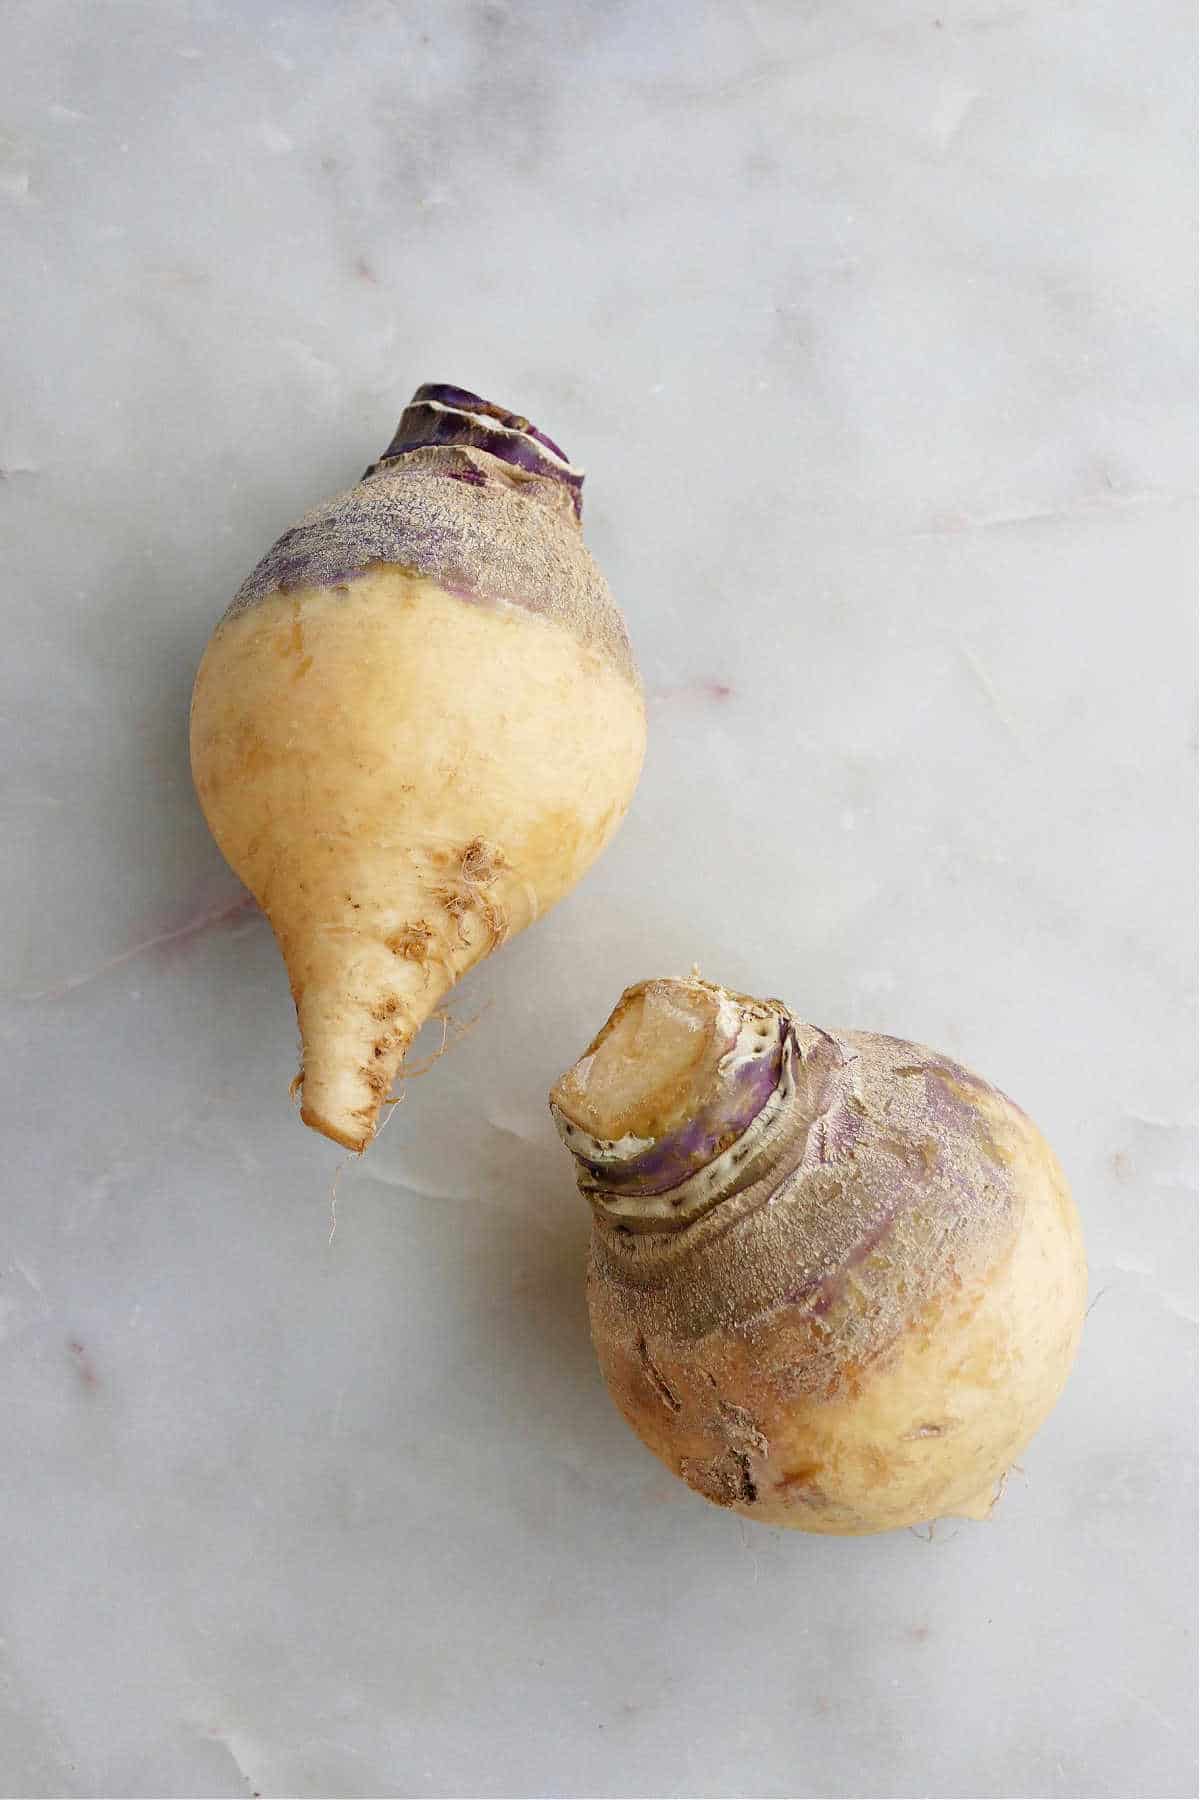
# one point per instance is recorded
(457, 905)
(741, 1428)
(295, 645)
(656, 1379)
(725, 1480)
(480, 865)
(728, 1478)
(804, 1476)
(411, 942)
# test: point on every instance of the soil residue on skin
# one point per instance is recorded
(412, 941)
(481, 866)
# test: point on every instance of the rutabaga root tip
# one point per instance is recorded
(356, 1130)
(344, 1087)
(328, 1129)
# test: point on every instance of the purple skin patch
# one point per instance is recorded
(442, 505)
(834, 1134)
(424, 424)
(818, 1294)
(836, 1131)
(468, 402)
(670, 1161)
(946, 1086)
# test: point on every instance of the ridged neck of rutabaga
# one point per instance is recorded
(479, 502)
(680, 1091)
(440, 416)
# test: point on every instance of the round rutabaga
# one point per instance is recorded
(836, 1281)
(414, 729)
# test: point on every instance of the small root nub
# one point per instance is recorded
(411, 941)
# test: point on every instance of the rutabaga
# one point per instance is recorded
(413, 730)
(836, 1281)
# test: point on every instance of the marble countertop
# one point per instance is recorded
(871, 325)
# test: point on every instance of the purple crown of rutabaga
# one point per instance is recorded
(441, 415)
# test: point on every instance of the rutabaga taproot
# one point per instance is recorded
(836, 1281)
(413, 730)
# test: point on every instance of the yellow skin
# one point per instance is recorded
(853, 1337)
(402, 778)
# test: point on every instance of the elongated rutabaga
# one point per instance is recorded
(836, 1281)
(413, 730)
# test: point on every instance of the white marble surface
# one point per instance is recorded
(870, 322)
